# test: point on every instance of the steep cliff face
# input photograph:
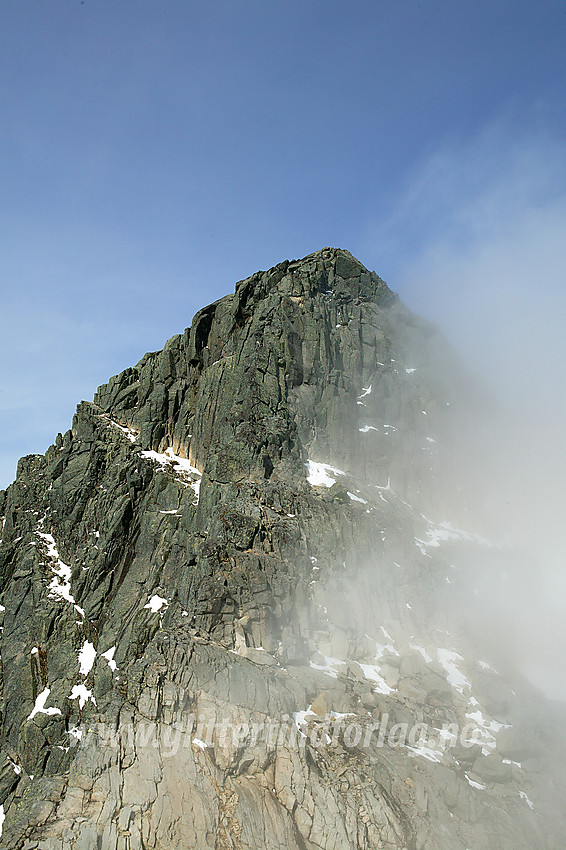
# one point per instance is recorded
(231, 606)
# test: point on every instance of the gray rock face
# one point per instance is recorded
(228, 621)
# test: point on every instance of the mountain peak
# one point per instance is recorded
(324, 271)
(232, 599)
(349, 265)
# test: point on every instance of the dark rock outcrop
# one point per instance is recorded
(228, 620)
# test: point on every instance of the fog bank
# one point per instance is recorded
(492, 276)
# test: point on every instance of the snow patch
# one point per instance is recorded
(371, 672)
(420, 649)
(82, 693)
(300, 719)
(76, 733)
(477, 785)
(485, 729)
(448, 660)
(427, 753)
(355, 498)
(524, 797)
(331, 666)
(87, 654)
(184, 470)
(319, 474)
(130, 433)
(156, 603)
(485, 666)
(444, 532)
(382, 648)
(382, 487)
(39, 707)
(60, 585)
(109, 657)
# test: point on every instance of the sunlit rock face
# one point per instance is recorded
(236, 599)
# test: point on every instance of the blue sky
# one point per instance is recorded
(156, 151)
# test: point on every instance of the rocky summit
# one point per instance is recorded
(234, 599)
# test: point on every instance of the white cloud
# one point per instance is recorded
(479, 244)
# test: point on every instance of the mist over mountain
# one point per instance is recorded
(267, 592)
